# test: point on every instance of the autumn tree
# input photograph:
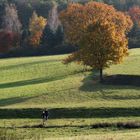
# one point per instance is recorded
(11, 29)
(36, 27)
(100, 32)
(8, 39)
(134, 12)
(134, 35)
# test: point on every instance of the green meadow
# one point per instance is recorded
(75, 99)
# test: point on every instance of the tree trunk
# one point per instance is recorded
(101, 75)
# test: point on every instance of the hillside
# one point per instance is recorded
(73, 95)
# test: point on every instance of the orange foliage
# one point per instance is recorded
(36, 26)
(8, 40)
(134, 12)
(100, 32)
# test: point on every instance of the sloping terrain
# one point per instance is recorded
(72, 94)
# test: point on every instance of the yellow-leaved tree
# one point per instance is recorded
(100, 32)
(36, 27)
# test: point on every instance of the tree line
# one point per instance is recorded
(34, 27)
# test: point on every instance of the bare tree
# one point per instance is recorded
(10, 19)
(53, 20)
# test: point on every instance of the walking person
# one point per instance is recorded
(45, 115)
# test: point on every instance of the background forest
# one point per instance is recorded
(35, 28)
(95, 98)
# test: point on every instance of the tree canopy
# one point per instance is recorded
(36, 27)
(100, 32)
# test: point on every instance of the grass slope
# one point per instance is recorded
(74, 97)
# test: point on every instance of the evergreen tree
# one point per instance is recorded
(53, 32)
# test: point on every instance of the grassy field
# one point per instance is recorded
(72, 94)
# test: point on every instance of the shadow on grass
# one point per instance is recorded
(129, 80)
(111, 83)
(13, 100)
(60, 113)
(35, 81)
(91, 83)
(30, 82)
(122, 125)
(26, 64)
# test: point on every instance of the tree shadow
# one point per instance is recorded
(36, 81)
(91, 84)
(128, 80)
(61, 113)
(30, 82)
(14, 100)
(26, 64)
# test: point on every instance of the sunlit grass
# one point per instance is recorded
(73, 96)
